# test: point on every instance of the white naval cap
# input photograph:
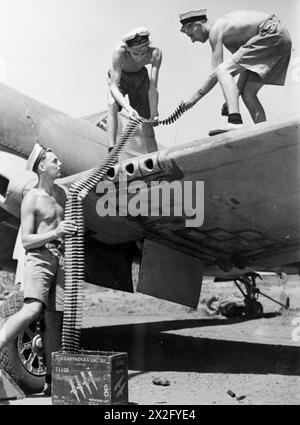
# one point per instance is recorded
(35, 157)
(136, 36)
(192, 16)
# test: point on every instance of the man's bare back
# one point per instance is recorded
(237, 27)
(261, 51)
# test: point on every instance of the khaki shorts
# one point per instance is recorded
(267, 54)
(44, 278)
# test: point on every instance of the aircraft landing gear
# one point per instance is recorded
(252, 308)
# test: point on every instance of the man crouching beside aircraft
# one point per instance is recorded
(129, 76)
(260, 47)
(43, 229)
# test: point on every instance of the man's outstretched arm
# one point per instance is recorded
(115, 79)
(211, 81)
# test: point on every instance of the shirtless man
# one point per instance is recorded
(260, 47)
(43, 229)
(129, 75)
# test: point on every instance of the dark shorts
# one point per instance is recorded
(136, 86)
(266, 55)
(44, 278)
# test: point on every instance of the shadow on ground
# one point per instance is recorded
(150, 349)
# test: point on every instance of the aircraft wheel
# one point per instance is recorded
(253, 308)
(230, 309)
(23, 358)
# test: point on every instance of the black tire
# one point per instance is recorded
(230, 310)
(253, 309)
(16, 357)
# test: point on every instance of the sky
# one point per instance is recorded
(59, 51)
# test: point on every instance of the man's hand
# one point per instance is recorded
(154, 120)
(65, 227)
(133, 115)
(224, 110)
(188, 104)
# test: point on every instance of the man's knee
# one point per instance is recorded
(228, 67)
(249, 96)
(113, 106)
(148, 130)
(148, 135)
(32, 309)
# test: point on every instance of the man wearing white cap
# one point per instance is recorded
(42, 231)
(261, 49)
(129, 76)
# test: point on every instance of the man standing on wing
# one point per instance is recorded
(43, 230)
(129, 76)
(260, 47)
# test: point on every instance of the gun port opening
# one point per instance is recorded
(111, 173)
(3, 186)
(129, 168)
(149, 164)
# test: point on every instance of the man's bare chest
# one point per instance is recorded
(129, 65)
(49, 210)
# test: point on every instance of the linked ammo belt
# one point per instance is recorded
(74, 244)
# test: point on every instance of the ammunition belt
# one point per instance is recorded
(74, 245)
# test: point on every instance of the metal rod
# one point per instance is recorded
(272, 299)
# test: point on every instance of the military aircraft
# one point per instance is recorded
(250, 209)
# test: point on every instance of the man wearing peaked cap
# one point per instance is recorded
(42, 231)
(192, 16)
(35, 157)
(261, 50)
(136, 36)
(129, 76)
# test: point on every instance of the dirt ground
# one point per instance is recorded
(200, 353)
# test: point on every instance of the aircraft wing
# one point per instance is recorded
(250, 218)
(251, 199)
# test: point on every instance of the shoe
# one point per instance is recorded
(225, 129)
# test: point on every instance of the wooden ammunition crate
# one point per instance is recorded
(89, 377)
